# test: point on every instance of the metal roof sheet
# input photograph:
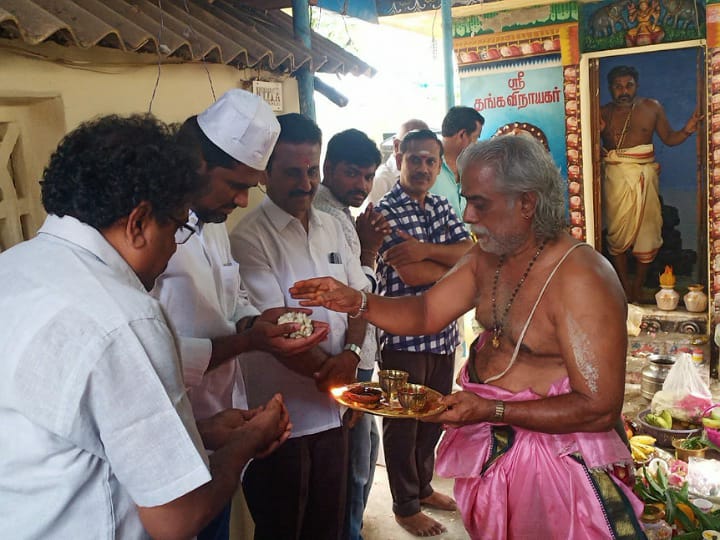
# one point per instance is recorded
(222, 31)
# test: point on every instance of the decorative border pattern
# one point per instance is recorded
(713, 114)
(573, 144)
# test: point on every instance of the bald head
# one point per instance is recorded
(407, 126)
(410, 125)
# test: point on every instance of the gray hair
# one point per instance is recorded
(522, 165)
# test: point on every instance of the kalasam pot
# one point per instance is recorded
(654, 373)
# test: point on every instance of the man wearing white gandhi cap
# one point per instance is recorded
(201, 288)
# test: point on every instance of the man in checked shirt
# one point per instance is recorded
(428, 239)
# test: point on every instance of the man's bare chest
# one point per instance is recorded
(628, 126)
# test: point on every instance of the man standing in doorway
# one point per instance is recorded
(428, 239)
(461, 127)
(631, 200)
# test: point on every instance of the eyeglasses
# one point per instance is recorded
(183, 231)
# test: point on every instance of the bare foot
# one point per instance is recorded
(420, 525)
(439, 501)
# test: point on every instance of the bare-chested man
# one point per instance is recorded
(531, 444)
(631, 200)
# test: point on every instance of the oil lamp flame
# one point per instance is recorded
(338, 391)
(667, 278)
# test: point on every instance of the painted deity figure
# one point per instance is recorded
(647, 31)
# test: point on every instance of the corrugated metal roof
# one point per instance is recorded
(192, 30)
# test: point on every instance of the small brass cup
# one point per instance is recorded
(412, 397)
(390, 380)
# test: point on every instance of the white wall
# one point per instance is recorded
(86, 84)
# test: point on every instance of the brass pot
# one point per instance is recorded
(685, 454)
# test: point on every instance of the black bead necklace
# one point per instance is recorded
(498, 325)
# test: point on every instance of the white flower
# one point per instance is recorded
(306, 328)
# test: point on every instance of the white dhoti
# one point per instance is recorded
(631, 202)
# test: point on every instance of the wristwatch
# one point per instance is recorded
(353, 348)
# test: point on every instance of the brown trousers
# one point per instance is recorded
(298, 492)
(409, 445)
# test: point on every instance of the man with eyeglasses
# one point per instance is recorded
(201, 289)
(98, 438)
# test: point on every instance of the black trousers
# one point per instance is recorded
(409, 444)
(298, 492)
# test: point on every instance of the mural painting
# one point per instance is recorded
(616, 24)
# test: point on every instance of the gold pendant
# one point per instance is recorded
(496, 339)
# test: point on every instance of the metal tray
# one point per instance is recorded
(386, 409)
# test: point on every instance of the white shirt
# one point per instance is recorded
(274, 251)
(203, 298)
(94, 415)
(326, 201)
(386, 176)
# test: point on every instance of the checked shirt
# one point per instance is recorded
(436, 223)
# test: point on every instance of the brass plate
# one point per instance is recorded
(383, 408)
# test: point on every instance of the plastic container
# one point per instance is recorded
(713, 434)
(703, 505)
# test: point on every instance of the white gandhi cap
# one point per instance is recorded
(243, 126)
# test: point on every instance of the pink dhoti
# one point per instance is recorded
(513, 483)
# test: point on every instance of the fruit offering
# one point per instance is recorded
(713, 419)
(642, 447)
(662, 419)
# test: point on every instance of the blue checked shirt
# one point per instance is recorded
(436, 223)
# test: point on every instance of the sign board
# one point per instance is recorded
(526, 97)
(271, 92)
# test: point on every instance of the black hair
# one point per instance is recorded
(352, 146)
(459, 118)
(623, 71)
(296, 128)
(419, 135)
(191, 136)
(103, 169)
